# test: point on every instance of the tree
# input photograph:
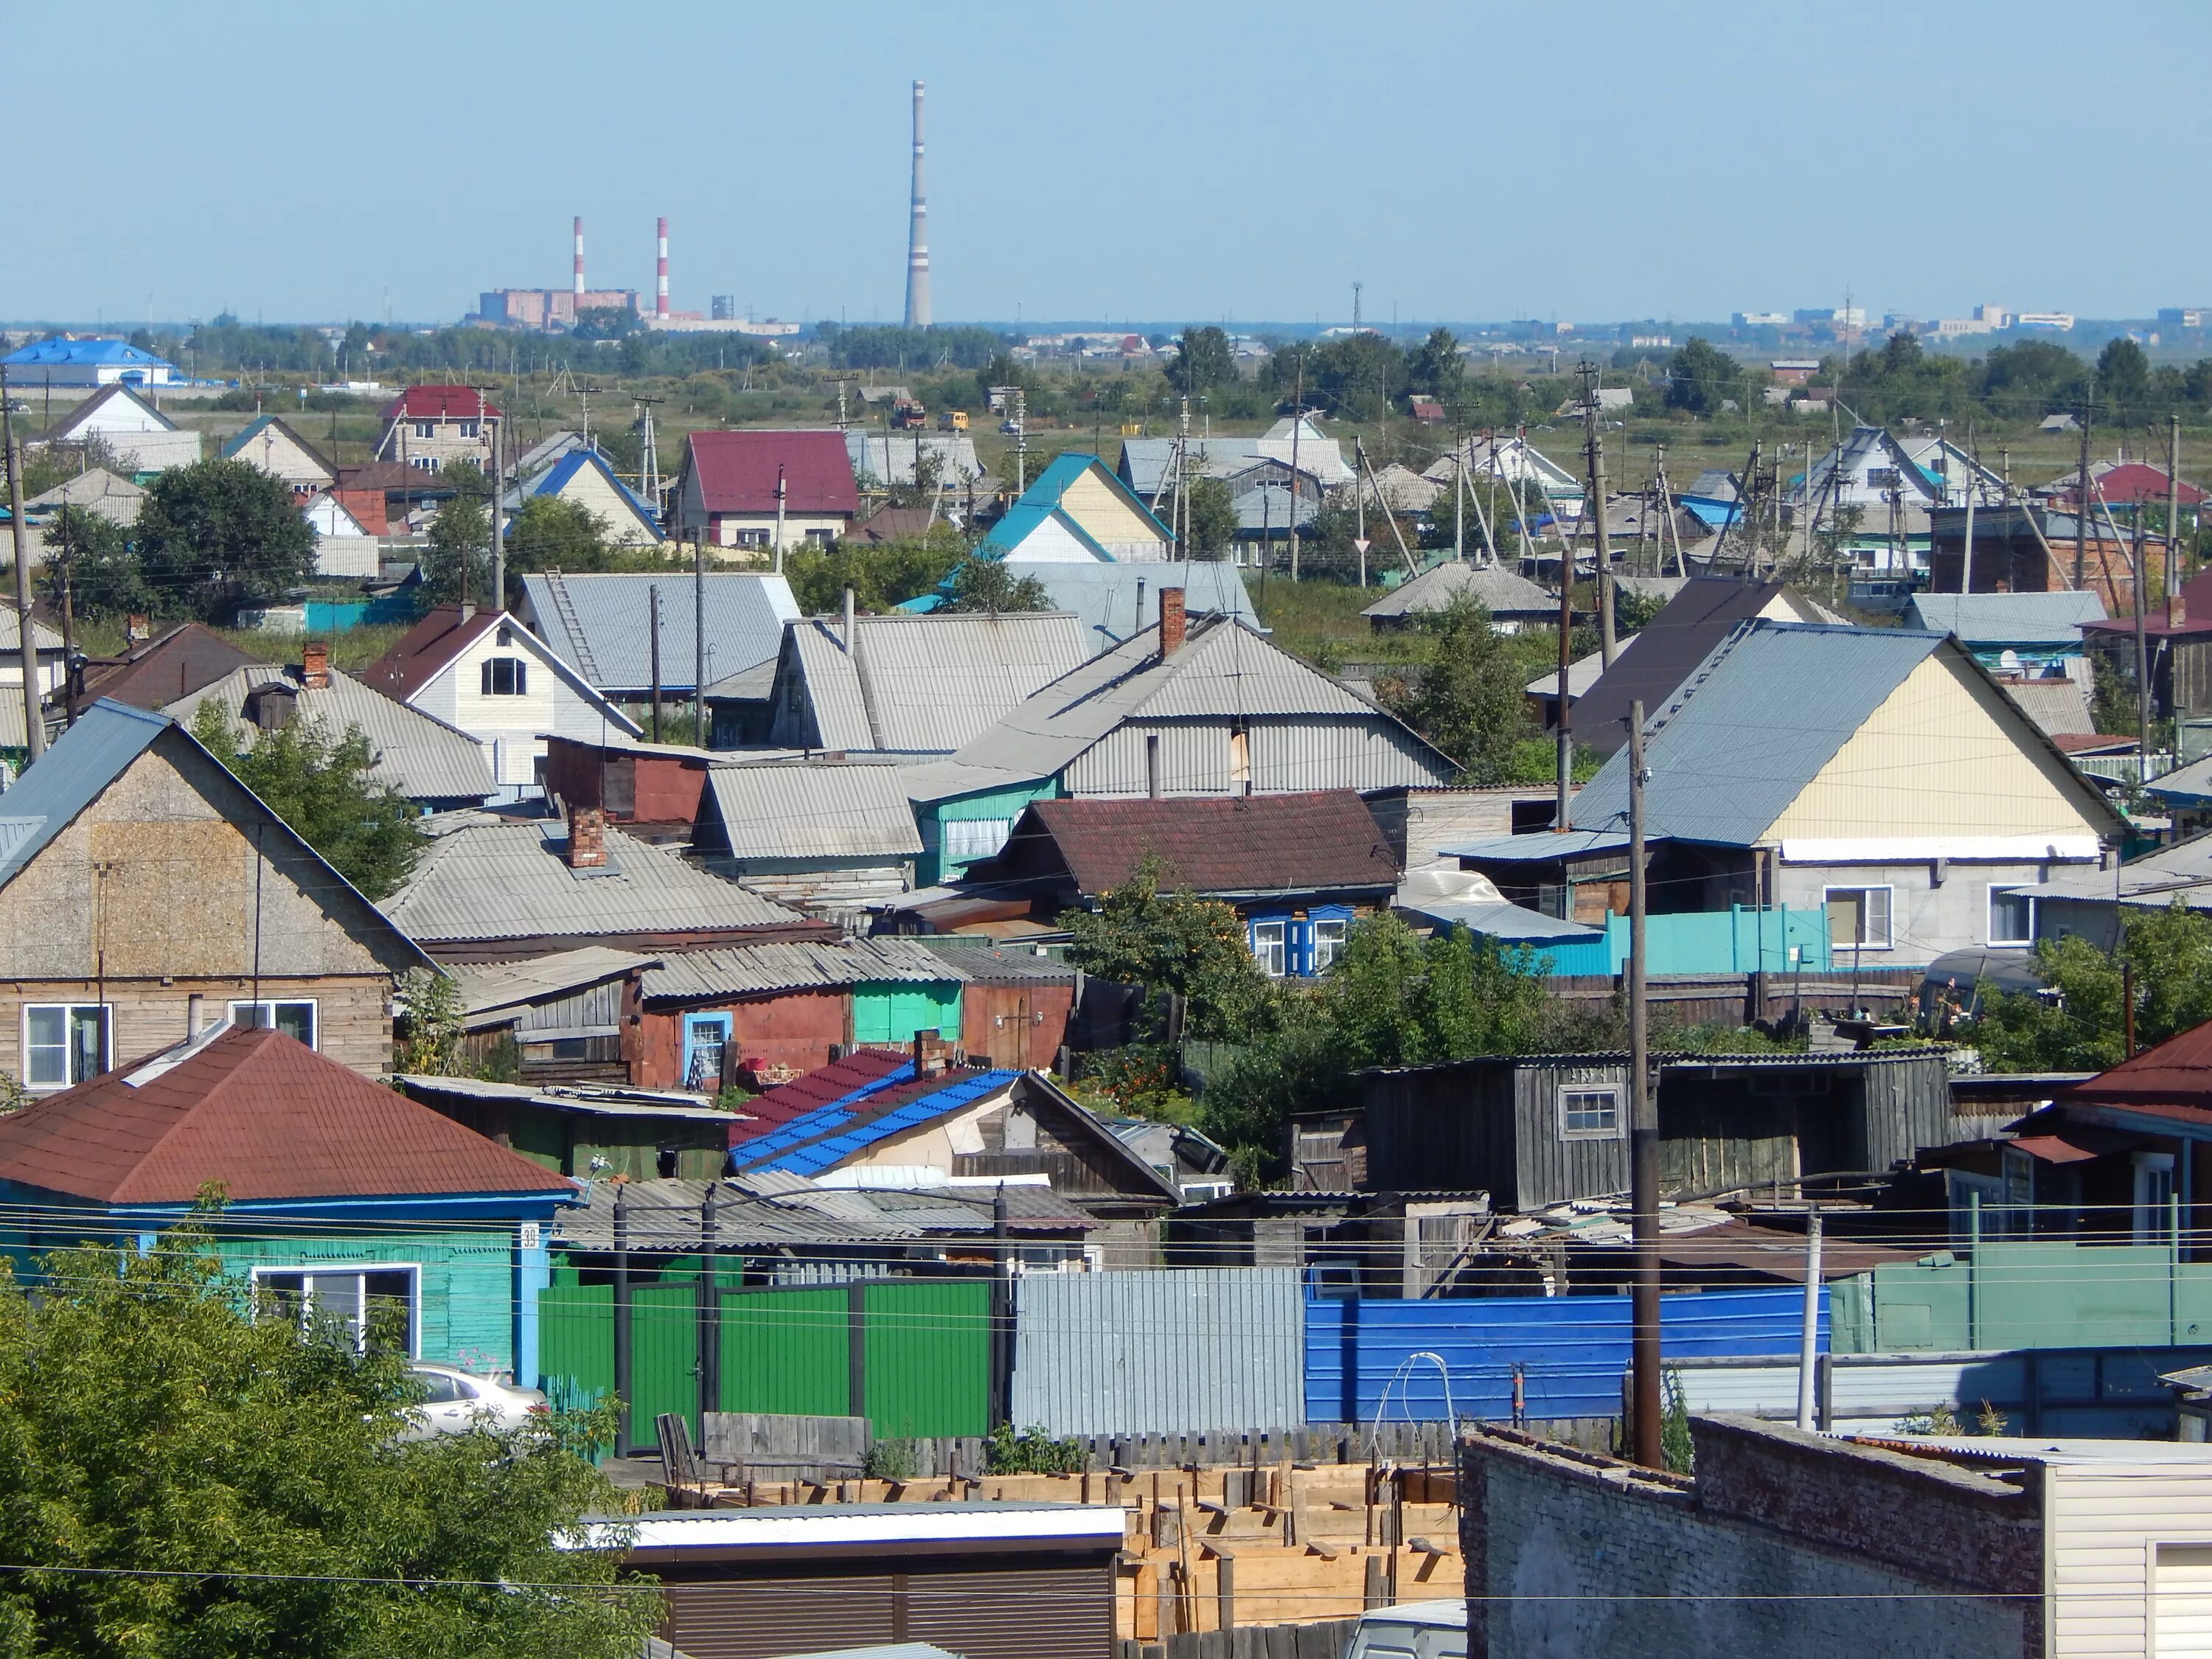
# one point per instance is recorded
(1172, 943)
(1700, 377)
(1204, 360)
(1212, 512)
(549, 533)
(2081, 1025)
(460, 539)
(882, 577)
(2123, 380)
(1355, 374)
(989, 586)
(1435, 366)
(152, 1424)
(218, 534)
(1472, 699)
(92, 555)
(320, 787)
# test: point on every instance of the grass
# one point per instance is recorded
(1321, 621)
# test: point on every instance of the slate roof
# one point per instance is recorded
(264, 1115)
(1991, 621)
(445, 403)
(980, 963)
(492, 989)
(96, 490)
(889, 456)
(1111, 602)
(1506, 592)
(610, 642)
(736, 471)
(926, 684)
(766, 1209)
(2183, 872)
(1145, 461)
(746, 970)
(44, 640)
(1322, 841)
(799, 812)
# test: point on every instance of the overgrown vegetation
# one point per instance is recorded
(1007, 1450)
(2080, 1024)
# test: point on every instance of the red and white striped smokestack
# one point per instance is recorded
(579, 288)
(660, 274)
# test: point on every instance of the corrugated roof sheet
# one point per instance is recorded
(487, 986)
(740, 970)
(611, 642)
(737, 471)
(889, 456)
(924, 684)
(861, 1070)
(1316, 842)
(1991, 620)
(1111, 602)
(485, 879)
(1506, 592)
(801, 812)
(2061, 707)
(70, 776)
(445, 403)
(1145, 461)
(421, 757)
(981, 963)
(825, 1138)
(557, 477)
(764, 1208)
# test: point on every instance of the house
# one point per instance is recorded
(490, 889)
(83, 363)
(594, 1134)
(1654, 665)
(2093, 904)
(268, 443)
(652, 789)
(1212, 708)
(1514, 602)
(1264, 502)
(1879, 777)
(1872, 467)
(1147, 464)
(746, 489)
(486, 674)
(1113, 601)
(416, 755)
(912, 684)
(2038, 634)
(1076, 512)
(2123, 485)
(155, 672)
(1512, 460)
(886, 460)
(392, 493)
(142, 883)
(344, 544)
(583, 478)
(964, 813)
(341, 1199)
(823, 839)
(52, 671)
(2029, 548)
(1298, 868)
(140, 437)
(602, 625)
(427, 427)
(95, 490)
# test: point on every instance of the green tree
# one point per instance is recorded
(320, 785)
(549, 533)
(1212, 519)
(991, 585)
(2081, 1027)
(200, 1484)
(1700, 377)
(92, 556)
(1168, 942)
(218, 534)
(1204, 360)
(460, 539)
(1472, 699)
(882, 577)
(2123, 380)
(1435, 366)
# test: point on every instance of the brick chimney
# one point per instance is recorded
(588, 838)
(1172, 624)
(315, 666)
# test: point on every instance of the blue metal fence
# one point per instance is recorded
(1573, 1349)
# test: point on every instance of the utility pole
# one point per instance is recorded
(498, 505)
(1809, 1336)
(2142, 661)
(699, 641)
(1359, 504)
(2173, 514)
(1593, 443)
(779, 519)
(1297, 424)
(1459, 497)
(1566, 718)
(2081, 504)
(35, 724)
(1643, 1132)
(652, 621)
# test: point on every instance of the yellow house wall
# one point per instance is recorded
(618, 523)
(1942, 758)
(1093, 503)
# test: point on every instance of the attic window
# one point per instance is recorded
(506, 637)
(506, 677)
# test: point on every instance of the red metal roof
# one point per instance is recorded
(1312, 841)
(2127, 483)
(439, 403)
(425, 649)
(2176, 1073)
(264, 1115)
(774, 1107)
(736, 471)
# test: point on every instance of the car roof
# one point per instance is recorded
(1444, 1614)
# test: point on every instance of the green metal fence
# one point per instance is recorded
(926, 1358)
(789, 1351)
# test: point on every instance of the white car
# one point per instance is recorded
(457, 1401)
(1410, 1630)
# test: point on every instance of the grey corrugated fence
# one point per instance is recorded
(1162, 1352)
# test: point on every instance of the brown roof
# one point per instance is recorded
(736, 471)
(264, 1115)
(425, 649)
(2178, 1072)
(892, 523)
(1306, 842)
(150, 675)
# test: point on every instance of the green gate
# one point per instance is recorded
(663, 1355)
(575, 1342)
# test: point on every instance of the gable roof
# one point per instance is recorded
(95, 489)
(176, 664)
(746, 970)
(557, 477)
(1319, 841)
(862, 1069)
(736, 472)
(1111, 602)
(2122, 484)
(799, 811)
(2006, 619)
(262, 423)
(1863, 447)
(53, 354)
(1513, 458)
(2175, 1073)
(435, 643)
(80, 417)
(1504, 593)
(889, 456)
(1043, 501)
(925, 684)
(600, 624)
(262, 1114)
(1145, 462)
(439, 403)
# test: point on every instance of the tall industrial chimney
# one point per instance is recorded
(917, 249)
(660, 273)
(579, 287)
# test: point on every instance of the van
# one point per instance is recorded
(952, 420)
(1410, 1630)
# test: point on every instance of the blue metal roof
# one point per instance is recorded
(821, 1141)
(2006, 619)
(80, 353)
(556, 477)
(70, 776)
(1041, 502)
(1539, 846)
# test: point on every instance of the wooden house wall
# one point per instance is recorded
(1447, 1127)
(1019, 1024)
(1548, 1167)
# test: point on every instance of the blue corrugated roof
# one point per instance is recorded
(70, 776)
(820, 1141)
(79, 353)
(1041, 502)
(556, 477)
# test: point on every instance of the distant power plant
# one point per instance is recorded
(917, 246)
(555, 307)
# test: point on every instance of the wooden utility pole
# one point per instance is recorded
(35, 724)
(1297, 424)
(1642, 1134)
(652, 621)
(1601, 545)
(2142, 659)
(498, 537)
(2172, 509)
(699, 642)
(2081, 504)
(1566, 718)
(1459, 497)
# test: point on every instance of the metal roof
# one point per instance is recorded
(1146, 461)
(924, 684)
(889, 456)
(802, 812)
(2183, 871)
(1041, 501)
(484, 877)
(1440, 893)
(825, 1138)
(766, 1207)
(1504, 592)
(739, 970)
(49, 354)
(556, 478)
(1111, 602)
(70, 776)
(600, 624)
(486, 986)
(1539, 846)
(43, 638)
(980, 963)
(946, 779)
(418, 756)
(1582, 674)
(1991, 620)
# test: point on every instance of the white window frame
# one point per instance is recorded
(487, 680)
(264, 1014)
(1274, 955)
(360, 1272)
(1328, 946)
(1569, 1093)
(426, 428)
(106, 1042)
(2000, 890)
(1888, 939)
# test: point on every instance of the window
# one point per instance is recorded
(425, 462)
(2153, 1196)
(468, 428)
(1881, 477)
(426, 428)
(1589, 1113)
(1268, 947)
(295, 1020)
(969, 839)
(1328, 941)
(359, 1304)
(2012, 916)
(506, 677)
(1240, 758)
(63, 1043)
(821, 537)
(1858, 917)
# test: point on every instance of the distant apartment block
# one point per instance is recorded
(1761, 319)
(2060, 320)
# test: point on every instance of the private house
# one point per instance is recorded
(1078, 512)
(827, 839)
(1209, 708)
(1872, 468)
(485, 673)
(268, 443)
(1511, 460)
(653, 790)
(882, 460)
(1110, 602)
(1878, 776)
(2038, 635)
(142, 439)
(421, 757)
(490, 889)
(594, 1134)
(1298, 868)
(427, 427)
(743, 489)
(344, 544)
(84, 364)
(52, 672)
(155, 672)
(1147, 464)
(144, 891)
(2123, 486)
(582, 477)
(2093, 902)
(2029, 548)
(95, 489)
(344, 1200)
(1513, 601)
(601, 626)
(906, 684)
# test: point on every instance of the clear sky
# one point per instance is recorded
(1151, 161)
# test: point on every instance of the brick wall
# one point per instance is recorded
(1803, 1550)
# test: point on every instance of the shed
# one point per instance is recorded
(1514, 602)
(593, 1132)
(822, 837)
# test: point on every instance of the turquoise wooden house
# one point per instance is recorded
(344, 1201)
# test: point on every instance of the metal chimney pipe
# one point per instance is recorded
(849, 622)
(917, 247)
(660, 272)
(577, 288)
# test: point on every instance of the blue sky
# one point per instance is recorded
(1143, 160)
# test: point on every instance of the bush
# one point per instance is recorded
(1030, 1451)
